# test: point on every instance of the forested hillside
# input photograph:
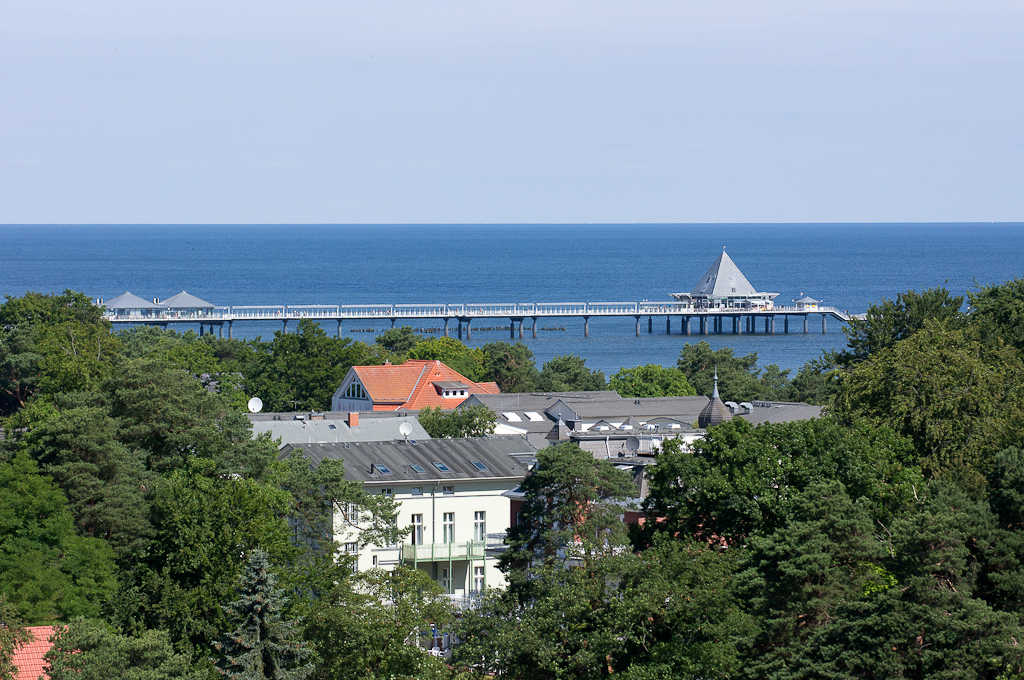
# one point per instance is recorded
(882, 540)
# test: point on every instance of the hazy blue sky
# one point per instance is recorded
(498, 111)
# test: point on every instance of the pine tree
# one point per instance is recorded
(262, 645)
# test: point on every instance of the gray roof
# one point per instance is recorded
(643, 408)
(128, 300)
(724, 278)
(362, 459)
(537, 401)
(780, 412)
(185, 300)
(807, 299)
(333, 427)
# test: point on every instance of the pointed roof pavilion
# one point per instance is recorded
(130, 301)
(185, 300)
(724, 281)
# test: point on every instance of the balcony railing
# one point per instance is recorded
(443, 552)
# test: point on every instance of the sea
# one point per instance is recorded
(849, 266)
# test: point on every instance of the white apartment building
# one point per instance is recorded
(453, 502)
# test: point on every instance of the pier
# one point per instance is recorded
(722, 302)
(458, 319)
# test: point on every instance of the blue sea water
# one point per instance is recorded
(846, 265)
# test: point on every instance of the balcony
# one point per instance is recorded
(444, 552)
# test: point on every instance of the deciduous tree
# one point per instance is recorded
(651, 380)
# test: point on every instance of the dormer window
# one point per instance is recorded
(451, 389)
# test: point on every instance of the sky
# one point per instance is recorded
(424, 111)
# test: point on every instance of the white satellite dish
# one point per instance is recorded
(633, 444)
(405, 429)
(255, 405)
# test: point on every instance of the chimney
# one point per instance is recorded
(353, 419)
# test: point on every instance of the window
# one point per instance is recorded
(332, 426)
(479, 526)
(478, 579)
(417, 469)
(441, 467)
(351, 548)
(448, 489)
(374, 561)
(350, 511)
(449, 527)
(417, 529)
(534, 417)
(478, 465)
(387, 492)
(355, 391)
(417, 491)
(383, 469)
(446, 581)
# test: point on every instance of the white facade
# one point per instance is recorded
(457, 531)
(351, 395)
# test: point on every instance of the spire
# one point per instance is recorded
(714, 395)
(715, 412)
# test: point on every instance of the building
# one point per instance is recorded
(132, 306)
(725, 286)
(600, 422)
(412, 386)
(452, 495)
(323, 427)
(29, 659)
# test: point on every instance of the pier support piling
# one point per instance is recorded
(284, 326)
(460, 329)
(231, 332)
(650, 325)
(469, 331)
(736, 325)
(638, 326)
(393, 322)
(823, 317)
(668, 325)
(445, 327)
(805, 324)
(586, 326)
(686, 325)
(520, 329)
(534, 326)
(512, 329)
(785, 323)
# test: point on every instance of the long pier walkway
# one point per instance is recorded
(708, 320)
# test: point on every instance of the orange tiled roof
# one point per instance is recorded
(28, 658)
(411, 385)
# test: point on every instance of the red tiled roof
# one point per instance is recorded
(28, 658)
(411, 385)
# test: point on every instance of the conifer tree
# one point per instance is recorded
(263, 645)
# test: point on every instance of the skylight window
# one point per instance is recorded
(478, 465)
(534, 416)
(417, 469)
(512, 417)
(441, 466)
(383, 469)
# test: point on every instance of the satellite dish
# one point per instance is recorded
(633, 444)
(255, 405)
(405, 429)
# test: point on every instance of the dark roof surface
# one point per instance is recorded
(714, 413)
(495, 452)
(781, 412)
(185, 300)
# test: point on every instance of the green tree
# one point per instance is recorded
(651, 380)
(511, 366)
(302, 370)
(738, 377)
(13, 634)
(48, 309)
(262, 645)
(739, 479)
(817, 382)
(569, 373)
(957, 398)
(19, 368)
(46, 570)
(468, 421)
(931, 624)
(398, 341)
(104, 481)
(797, 576)
(997, 311)
(452, 353)
(88, 650)
(373, 625)
(890, 321)
(205, 526)
(572, 512)
(140, 341)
